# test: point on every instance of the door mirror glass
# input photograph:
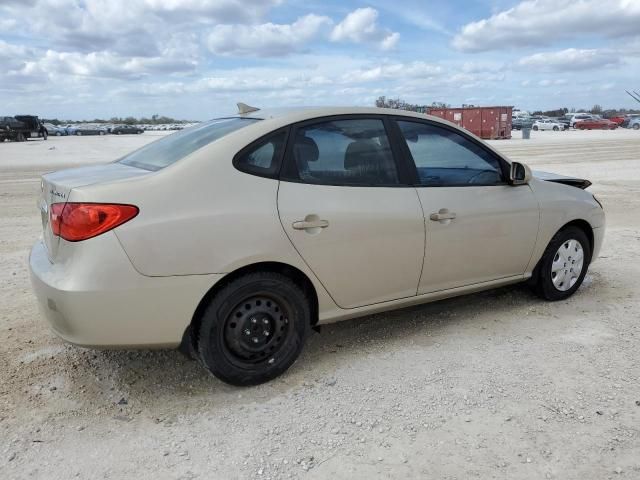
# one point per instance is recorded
(520, 174)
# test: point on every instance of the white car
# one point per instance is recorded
(547, 125)
(235, 237)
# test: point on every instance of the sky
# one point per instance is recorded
(194, 59)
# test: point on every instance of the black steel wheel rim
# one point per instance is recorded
(256, 328)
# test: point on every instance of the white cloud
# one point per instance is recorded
(569, 60)
(540, 22)
(361, 26)
(267, 39)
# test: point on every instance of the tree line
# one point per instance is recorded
(154, 120)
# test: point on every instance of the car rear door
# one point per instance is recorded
(478, 227)
(344, 203)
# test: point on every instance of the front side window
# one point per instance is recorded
(172, 148)
(444, 157)
(263, 157)
(342, 152)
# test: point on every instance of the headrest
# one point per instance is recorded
(306, 149)
(362, 153)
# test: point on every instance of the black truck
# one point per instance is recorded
(22, 127)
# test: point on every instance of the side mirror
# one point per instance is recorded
(520, 174)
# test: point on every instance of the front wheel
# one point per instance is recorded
(254, 328)
(563, 265)
(636, 126)
(556, 129)
(535, 128)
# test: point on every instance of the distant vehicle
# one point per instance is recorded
(517, 123)
(564, 121)
(547, 125)
(9, 127)
(634, 123)
(55, 130)
(124, 129)
(22, 127)
(619, 119)
(579, 117)
(596, 124)
(90, 130)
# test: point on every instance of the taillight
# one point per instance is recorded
(80, 221)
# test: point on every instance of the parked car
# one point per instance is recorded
(596, 124)
(89, 130)
(579, 117)
(517, 123)
(547, 125)
(55, 130)
(285, 220)
(10, 129)
(120, 129)
(564, 121)
(633, 122)
(22, 127)
(618, 119)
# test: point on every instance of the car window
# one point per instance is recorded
(444, 157)
(172, 148)
(342, 152)
(263, 157)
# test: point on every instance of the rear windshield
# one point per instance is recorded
(173, 147)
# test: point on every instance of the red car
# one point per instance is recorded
(617, 120)
(596, 124)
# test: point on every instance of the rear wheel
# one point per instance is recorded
(254, 328)
(564, 264)
(535, 127)
(636, 126)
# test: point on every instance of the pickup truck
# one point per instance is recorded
(22, 127)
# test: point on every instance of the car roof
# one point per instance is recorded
(298, 114)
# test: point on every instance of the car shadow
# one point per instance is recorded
(150, 378)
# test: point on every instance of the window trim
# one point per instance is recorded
(288, 164)
(279, 161)
(411, 164)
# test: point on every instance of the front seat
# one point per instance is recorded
(365, 163)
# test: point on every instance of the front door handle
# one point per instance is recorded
(308, 224)
(442, 216)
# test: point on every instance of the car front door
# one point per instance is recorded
(479, 228)
(348, 211)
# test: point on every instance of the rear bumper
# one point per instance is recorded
(97, 299)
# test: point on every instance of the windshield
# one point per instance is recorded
(173, 147)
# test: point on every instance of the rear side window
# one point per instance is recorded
(342, 152)
(446, 158)
(262, 157)
(172, 148)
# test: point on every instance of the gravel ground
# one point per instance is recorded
(493, 385)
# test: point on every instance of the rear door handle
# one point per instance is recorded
(306, 224)
(442, 215)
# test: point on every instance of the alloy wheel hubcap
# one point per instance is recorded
(256, 328)
(567, 265)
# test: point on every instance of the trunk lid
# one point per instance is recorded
(56, 187)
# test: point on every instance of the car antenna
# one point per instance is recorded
(244, 108)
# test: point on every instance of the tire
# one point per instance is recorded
(546, 284)
(636, 126)
(20, 137)
(58, 134)
(119, 133)
(45, 135)
(535, 128)
(101, 133)
(79, 134)
(556, 129)
(254, 308)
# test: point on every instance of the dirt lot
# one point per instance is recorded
(495, 385)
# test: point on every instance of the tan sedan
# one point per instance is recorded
(235, 237)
